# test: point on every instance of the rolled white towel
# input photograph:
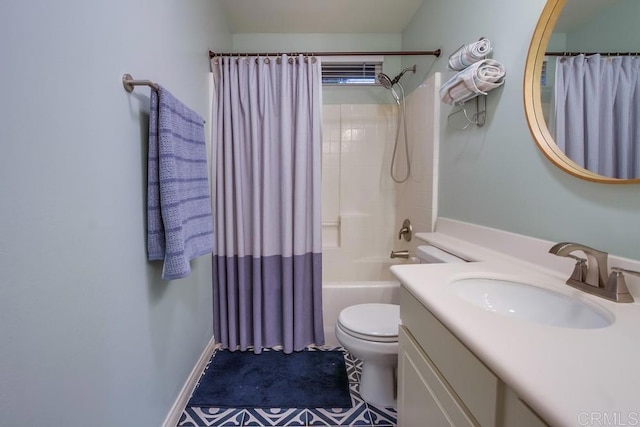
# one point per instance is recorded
(469, 54)
(478, 79)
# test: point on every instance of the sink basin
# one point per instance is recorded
(530, 303)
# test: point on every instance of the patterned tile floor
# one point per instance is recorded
(360, 414)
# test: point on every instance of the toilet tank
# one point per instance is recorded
(431, 255)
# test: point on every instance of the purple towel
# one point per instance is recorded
(179, 218)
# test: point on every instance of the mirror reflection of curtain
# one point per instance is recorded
(597, 113)
(267, 263)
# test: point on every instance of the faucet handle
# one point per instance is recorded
(406, 231)
(624, 270)
(618, 285)
(580, 270)
(577, 258)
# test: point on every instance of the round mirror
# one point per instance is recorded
(540, 79)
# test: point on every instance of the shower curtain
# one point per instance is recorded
(597, 113)
(267, 266)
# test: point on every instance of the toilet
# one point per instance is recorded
(370, 333)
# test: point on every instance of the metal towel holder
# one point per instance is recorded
(478, 118)
(128, 82)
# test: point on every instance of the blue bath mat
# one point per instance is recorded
(273, 379)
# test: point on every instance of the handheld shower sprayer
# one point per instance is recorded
(388, 83)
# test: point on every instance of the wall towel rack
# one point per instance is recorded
(128, 82)
(478, 118)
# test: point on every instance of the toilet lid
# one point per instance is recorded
(375, 322)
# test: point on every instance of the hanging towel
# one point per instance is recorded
(179, 218)
(469, 54)
(478, 79)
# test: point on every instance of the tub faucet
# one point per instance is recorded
(590, 275)
(399, 254)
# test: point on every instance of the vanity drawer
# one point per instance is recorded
(516, 413)
(424, 397)
(472, 381)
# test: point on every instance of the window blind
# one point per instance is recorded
(350, 73)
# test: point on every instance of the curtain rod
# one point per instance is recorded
(592, 53)
(435, 53)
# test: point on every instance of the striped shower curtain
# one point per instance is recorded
(267, 263)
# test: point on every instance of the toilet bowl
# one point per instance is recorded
(370, 333)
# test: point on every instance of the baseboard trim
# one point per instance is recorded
(173, 417)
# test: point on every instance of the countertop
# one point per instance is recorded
(567, 376)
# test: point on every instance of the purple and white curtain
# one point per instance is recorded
(597, 113)
(267, 259)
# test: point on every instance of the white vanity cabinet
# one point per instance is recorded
(442, 383)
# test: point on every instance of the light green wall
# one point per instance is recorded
(615, 29)
(495, 175)
(331, 43)
(90, 335)
(612, 29)
(557, 43)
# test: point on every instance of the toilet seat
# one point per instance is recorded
(371, 322)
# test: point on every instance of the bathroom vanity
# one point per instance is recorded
(461, 364)
(442, 383)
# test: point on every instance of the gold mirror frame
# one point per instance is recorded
(533, 102)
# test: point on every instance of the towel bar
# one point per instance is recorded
(128, 82)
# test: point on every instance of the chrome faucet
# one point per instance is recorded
(590, 275)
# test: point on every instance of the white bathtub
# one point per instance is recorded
(339, 295)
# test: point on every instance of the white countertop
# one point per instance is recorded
(569, 377)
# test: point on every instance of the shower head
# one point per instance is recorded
(388, 83)
(385, 81)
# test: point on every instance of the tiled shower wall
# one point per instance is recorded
(358, 196)
(363, 208)
(417, 198)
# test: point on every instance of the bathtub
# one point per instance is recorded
(339, 295)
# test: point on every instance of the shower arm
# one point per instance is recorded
(397, 78)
